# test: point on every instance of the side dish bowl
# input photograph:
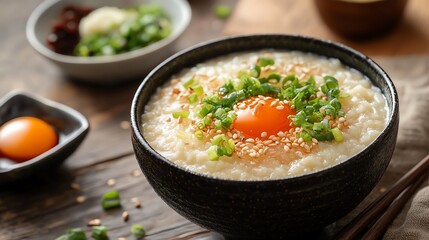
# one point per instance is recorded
(71, 126)
(360, 19)
(265, 209)
(109, 69)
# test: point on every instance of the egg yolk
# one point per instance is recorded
(261, 119)
(24, 138)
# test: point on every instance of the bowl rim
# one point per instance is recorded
(84, 127)
(393, 112)
(47, 52)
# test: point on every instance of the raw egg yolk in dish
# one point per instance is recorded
(24, 138)
(261, 119)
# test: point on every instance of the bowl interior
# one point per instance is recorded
(68, 123)
(209, 50)
(41, 20)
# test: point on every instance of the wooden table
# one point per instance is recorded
(45, 206)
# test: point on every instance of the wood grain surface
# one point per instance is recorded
(45, 206)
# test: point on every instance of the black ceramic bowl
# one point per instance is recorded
(70, 125)
(271, 208)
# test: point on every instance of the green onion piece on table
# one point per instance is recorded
(111, 199)
(99, 232)
(138, 231)
(73, 234)
(222, 11)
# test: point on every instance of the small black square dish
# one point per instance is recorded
(70, 126)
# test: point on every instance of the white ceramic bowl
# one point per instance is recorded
(107, 69)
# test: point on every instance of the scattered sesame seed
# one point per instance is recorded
(75, 186)
(111, 182)
(125, 216)
(136, 173)
(136, 202)
(286, 148)
(300, 140)
(80, 199)
(250, 140)
(94, 222)
(280, 107)
(264, 134)
(125, 125)
(175, 91)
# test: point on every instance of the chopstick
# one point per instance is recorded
(376, 208)
(384, 221)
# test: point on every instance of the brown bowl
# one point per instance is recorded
(361, 18)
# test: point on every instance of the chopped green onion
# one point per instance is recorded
(212, 153)
(193, 98)
(99, 232)
(338, 135)
(73, 234)
(264, 61)
(138, 231)
(198, 90)
(182, 114)
(191, 82)
(222, 11)
(111, 199)
(199, 134)
(222, 146)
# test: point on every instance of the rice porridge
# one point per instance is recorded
(264, 115)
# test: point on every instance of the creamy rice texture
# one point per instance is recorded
(365, 110)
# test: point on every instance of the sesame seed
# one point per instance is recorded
(75, 186)
(264, 134)
(272, 144)
(266, 142)
(136, 173)
(275, 138)
(295, 144)
(136, 202)
(218, 131)
(252, 154)
(111, 182)
(300, 140)
(176, 91)
(341, 119)
(234, 136)
(94, 222)
(280, 134)
(250, 140)
(229, 134)
(125, 216)
(286, 148)
(280, 107)
(314, 140)
(273, 103)
(80, 199)
(302, 144)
